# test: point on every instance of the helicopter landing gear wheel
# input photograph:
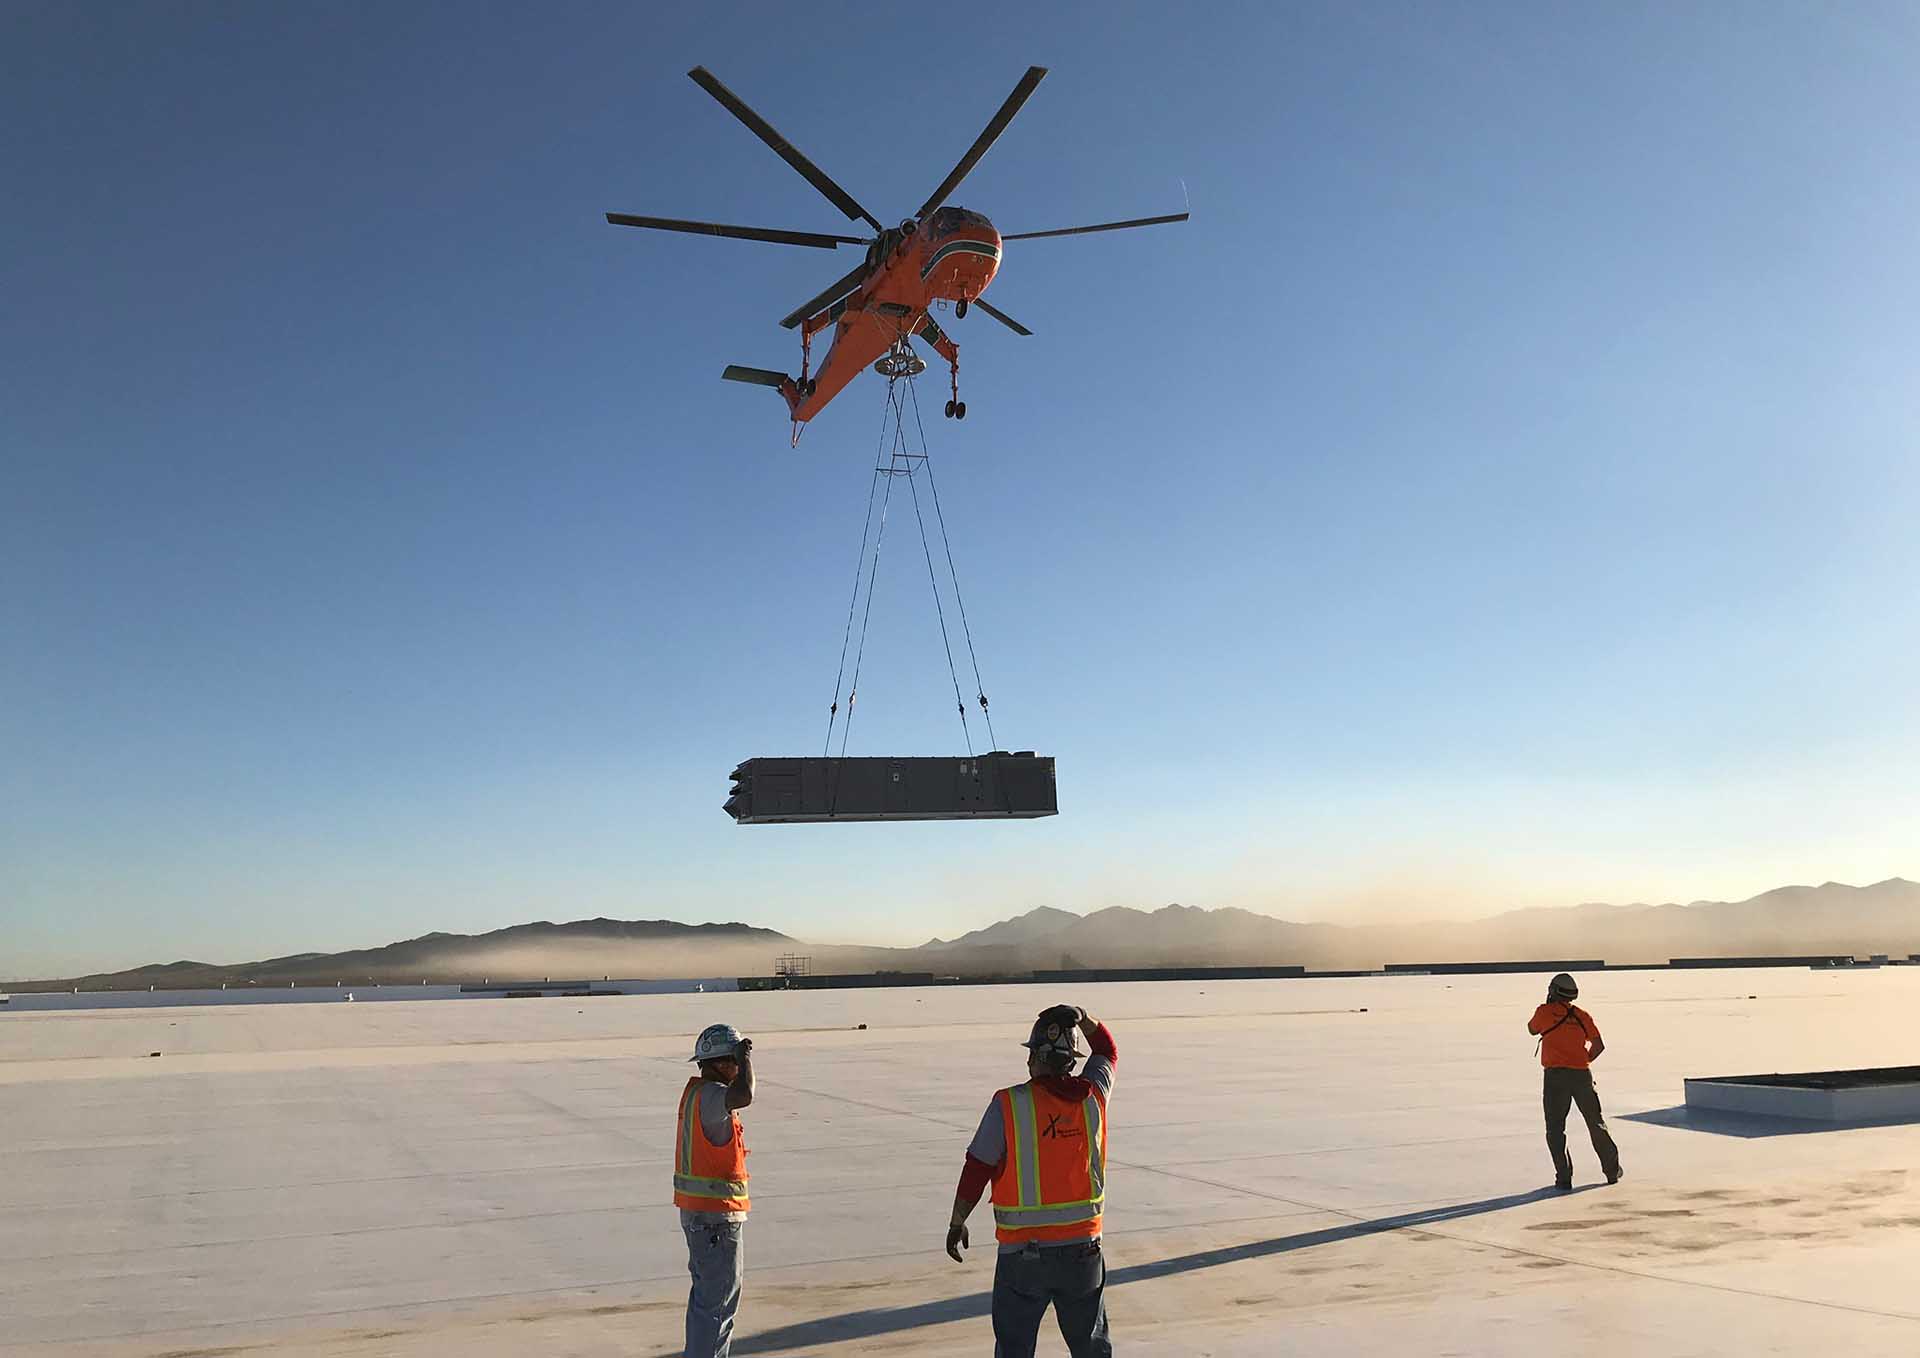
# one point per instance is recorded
(960, 309)
(949, 410)
(959, 410)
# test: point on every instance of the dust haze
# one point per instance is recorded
(1832, 919)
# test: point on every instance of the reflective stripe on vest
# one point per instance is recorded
(709, 1188)
(726, 1194)
(1023, 1161)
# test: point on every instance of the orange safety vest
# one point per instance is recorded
(1054, 1181)
(706, 1177)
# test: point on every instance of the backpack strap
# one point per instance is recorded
(1540, 1041)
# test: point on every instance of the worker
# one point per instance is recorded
(710, 1185)
(1043, 1146)
(1569, 1043)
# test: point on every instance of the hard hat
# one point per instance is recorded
(1563, 987)
(722, 1039)
(1052, 1041)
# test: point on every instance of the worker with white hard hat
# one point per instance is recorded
(710, 1185)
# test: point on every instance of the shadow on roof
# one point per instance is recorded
(1751, 1125)
(866, 1324)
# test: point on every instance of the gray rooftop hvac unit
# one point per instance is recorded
(995, 786)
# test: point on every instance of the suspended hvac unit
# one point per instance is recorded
(995, 786)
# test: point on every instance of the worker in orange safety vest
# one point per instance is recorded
(710, 1185)
(1043, 1147)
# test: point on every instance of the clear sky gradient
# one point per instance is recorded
(1503, 492)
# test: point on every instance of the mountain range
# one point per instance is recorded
(1831, 918)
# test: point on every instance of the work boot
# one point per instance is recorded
(1613, 1175)
(1562, 1162)
(1564, 1185)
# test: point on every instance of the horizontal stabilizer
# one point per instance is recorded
(760, 377)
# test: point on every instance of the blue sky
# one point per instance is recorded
(1501, 493)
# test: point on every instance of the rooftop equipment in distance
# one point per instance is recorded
(993, 786)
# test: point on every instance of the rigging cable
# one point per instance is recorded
(866, 529)
(980, 687)
(960, 704)
(853, 689)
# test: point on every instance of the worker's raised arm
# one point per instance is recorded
(740, 1092)
(1096, 1034)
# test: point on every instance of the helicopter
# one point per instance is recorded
(941, 254)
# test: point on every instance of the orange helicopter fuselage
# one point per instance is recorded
(950, 257)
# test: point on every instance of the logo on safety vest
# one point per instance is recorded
(1056, 1130)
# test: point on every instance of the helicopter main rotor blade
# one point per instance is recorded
(833, 293)
(1001, 317)
(766, 233)
(783, 148)
(1103, 226)
(1028, 82)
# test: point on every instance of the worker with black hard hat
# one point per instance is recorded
(1569, 1043)
(1043, 1147)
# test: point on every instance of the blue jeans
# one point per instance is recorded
(1071, 1277)
(715, 1258)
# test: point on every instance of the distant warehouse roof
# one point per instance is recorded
(1482, 968)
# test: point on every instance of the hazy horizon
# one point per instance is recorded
(1416, 932)
(1374, 907)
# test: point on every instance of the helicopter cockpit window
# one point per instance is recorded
(951, 219)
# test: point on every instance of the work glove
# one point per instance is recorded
(1066, 1015)
(957, 1240)
(745, 1048)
